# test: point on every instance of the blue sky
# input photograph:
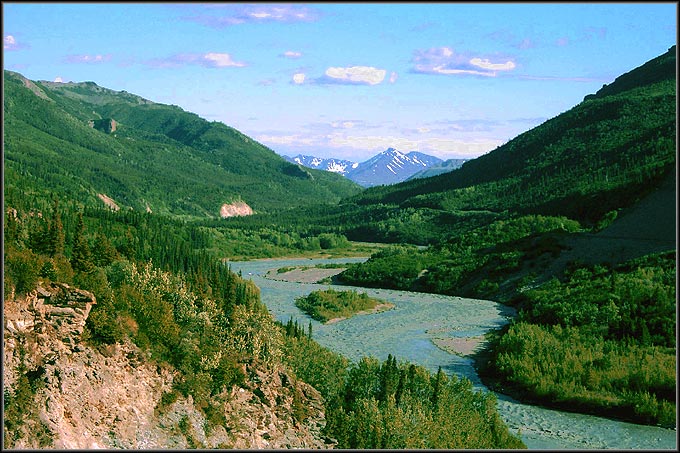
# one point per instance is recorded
(346, 80)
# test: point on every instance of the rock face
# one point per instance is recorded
(88, 397)
(108, 201)
(235, 209)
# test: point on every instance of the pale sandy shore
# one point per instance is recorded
(302, 275)
(463, 347)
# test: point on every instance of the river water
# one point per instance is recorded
(407, 331)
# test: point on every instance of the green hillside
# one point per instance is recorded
(579, 236)
(601, 155)
(59, 138)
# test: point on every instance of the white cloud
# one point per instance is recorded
(486, 64)
(444, 147)
(208, 60)
(58, 79)
(10, 43)
(443, 60)
(393, 77)
(360, 147)
(291, 54)
(343, 124)
(254, 13)
(221, 60)
(88, 59)
(299, 78)
(355, 75)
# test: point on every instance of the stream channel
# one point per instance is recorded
(407, 332)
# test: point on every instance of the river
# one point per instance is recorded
(407, 331)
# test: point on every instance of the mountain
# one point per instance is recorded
(339, 166)
(603, 154)
(388, 167)
(90, 143)
(438, 169)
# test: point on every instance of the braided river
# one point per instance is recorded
(407, 332)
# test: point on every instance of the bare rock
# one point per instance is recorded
(236, 209)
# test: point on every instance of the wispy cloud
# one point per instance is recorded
(208, 60)
(10, 43)
(87, 59)
(291, 54)
(563, 41)
(254, 13)
(565, 78)
(507, 37)
(352, 75)
(443, 60)
(359, 146)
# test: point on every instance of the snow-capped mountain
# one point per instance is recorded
(333, 165)
(390, 167)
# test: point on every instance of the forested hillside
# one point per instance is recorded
(80, 140)
(603, 154)
(579, 237)
(165, 306)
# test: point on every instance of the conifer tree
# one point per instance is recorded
(55, 233)
(81, 258)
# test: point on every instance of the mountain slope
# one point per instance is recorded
(81, 140)
(390, 167)
(601, 155)
(340, 166)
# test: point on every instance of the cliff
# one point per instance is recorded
(61, 392)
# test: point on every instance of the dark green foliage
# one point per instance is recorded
(492, 251)
(81, 258)
(603, 341)
(396, 405)
(21, 270)
(197, 165)
(574, 368)
(329, 304)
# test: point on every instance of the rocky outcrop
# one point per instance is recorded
(108, 201)
(87, 397)
(236, 209)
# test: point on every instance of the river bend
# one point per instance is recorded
(407, 331)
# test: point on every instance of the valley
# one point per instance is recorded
(155, 245)
(411, 332)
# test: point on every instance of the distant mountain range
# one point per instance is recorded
(388, 167)
(333, 165)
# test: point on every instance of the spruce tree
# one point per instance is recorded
(81, 258)
(55, 235)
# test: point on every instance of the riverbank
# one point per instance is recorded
(407, 331)
(484, 359)
(303, 274)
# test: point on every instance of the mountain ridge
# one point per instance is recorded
(197, 165)
(387, 167)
